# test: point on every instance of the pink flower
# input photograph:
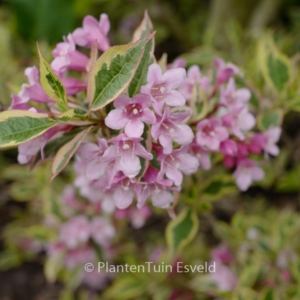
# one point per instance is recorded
(223, 277)
(73, 86)
(177, 63)
(247, 171)
(268, 140)
(167, 128)
(233, 98)
(124, 190)
(239, 121)
(229, 147)
(92, 31)
(124, 154)
(161, 87)
(222, 254)
(67, 57)
(96, 280)
(176, 163)
(131, 113)
(80, 256)
(210, 133)
(75, 232)
(158, 189)
(193, 78)
(225, 70)
(101, 230)
(138, 217)
(29, 149)
(201, 155)
(92, 154)
(30, 92)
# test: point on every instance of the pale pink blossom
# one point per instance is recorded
(92, 31)
(158, 189)
(75, 232)
(67, 57)
(223, 277)
(193, 79)
(102, 230)
(239, 121)
(124, 155)
(210, 133)
(247, 171)
(225, 71)
(162, 87)
(131, 113)
(168, 128)
(176, 163)
(231, 97)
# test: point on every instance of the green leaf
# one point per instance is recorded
(181, 231)
(19, 126)
(270, 118)
(217, 187)
(125, 288)
(65, 116)
(114, 70)
(65, 153)
(52, 85)
(53, 265)
(40, 233)
(144, 29)
(267, 294)
(294, 104)
(278, 70)
(275, 66)
(140, 77)
(249, 275)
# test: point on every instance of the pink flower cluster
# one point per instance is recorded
(151, 140)
(83, 227)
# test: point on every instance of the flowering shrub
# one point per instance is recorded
(131, 126)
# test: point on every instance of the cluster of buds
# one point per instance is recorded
(146, 142)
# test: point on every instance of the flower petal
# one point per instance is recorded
(175, 98)
(122, 198)
(134, 128)
(116, 119)
(174, 78)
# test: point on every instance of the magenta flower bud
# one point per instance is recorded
(229, 147)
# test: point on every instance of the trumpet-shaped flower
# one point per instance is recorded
(234, 98)
(92, 31)
(131, 113)
(67, 57)
(210, 133)
(247, 171)
(162, 87)
(193, 78)
(158, 189)
(176, 163)
(168, 128)
(124, 155)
